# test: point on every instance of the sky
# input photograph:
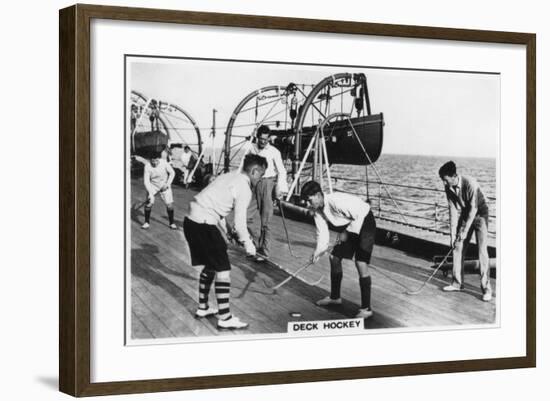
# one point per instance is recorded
(425, 112)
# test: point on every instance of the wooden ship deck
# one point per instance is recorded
(164, 286)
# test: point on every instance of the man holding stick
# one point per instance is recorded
(356, 240)
(468, 212)
(273, 184)
(231, 191)
(158, 175)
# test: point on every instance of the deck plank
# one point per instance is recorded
(165, 286)
(139, 330)
(149, 316)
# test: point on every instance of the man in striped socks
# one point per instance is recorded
(158, 175)
(231, 191)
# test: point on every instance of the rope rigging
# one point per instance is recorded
(377, 173)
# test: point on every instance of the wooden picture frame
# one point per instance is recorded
(75, 208)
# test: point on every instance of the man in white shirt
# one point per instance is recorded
(231, 191)
(273, 184)
(349, 212)
(158, 175)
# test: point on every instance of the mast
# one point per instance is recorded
(213, 135)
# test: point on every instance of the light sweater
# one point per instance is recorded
(227, 192)
(275, 165)
(340, 209)
(154, 178)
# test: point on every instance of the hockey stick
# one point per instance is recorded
(295, 274)
(308, 282)
(232, 239)
(286, 230)
(138, 206)
(417, 291)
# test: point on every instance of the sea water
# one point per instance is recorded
(413, 186)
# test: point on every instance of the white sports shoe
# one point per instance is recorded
(452, 288)
(487, 295)
(329, 301)
(206, 312)
(173, 226)
(364, 313)
(232, 323)
(145, 226)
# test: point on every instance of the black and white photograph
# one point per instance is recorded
(242, 200)
(273, 200)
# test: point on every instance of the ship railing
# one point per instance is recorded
(433, 199)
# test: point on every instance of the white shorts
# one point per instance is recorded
(166, 197)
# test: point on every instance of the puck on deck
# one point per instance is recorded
(295, 314)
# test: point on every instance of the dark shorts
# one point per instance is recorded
(207, 246)
(358, 245)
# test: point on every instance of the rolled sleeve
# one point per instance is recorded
(242, 196)
(321, 232)
(171, 174)
(147, 179)
(282, 184)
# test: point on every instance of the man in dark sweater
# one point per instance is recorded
(468, 212)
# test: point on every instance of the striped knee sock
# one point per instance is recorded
(205, 282)
(222, 287)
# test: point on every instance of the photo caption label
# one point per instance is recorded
(327, 326)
